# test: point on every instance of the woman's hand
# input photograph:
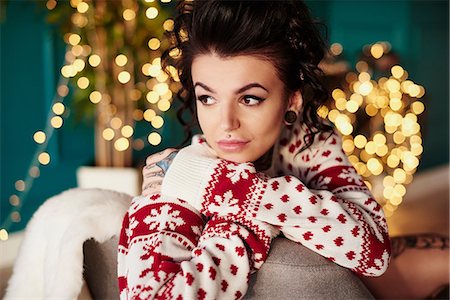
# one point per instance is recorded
(155, 170)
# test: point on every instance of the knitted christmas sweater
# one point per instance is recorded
(212, 223)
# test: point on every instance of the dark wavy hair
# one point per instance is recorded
(280, 31)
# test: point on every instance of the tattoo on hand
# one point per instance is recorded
(166, 162)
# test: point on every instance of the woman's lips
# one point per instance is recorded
(232, 145)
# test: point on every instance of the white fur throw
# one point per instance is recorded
(50, 261)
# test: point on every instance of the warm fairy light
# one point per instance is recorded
(83, 82)
(360, 141)
(3, 235)
(336, 49)
(154, 43)
(138, 144)
(15, 216)
(167, 96)
(377, 50)
(417, 107)
(168, 25)
(151, 12)
(152, 97)
(149, 114)
(161, 88)
(94, 60)
(154, 138)
(79, 20)
(364, 76)
(351, 106)
(121, 144)
(129, 14)
(165, 1)
(395, 104)
(154, 71)
(63, 90)
(77, 50)
(58, 108)
(20, 185)
(164, 105)
(397, 71)
(371, 147)
(74, 39)
(127, 131)
(163, 77)
(375, 166)
(95, 97)
(44, 158)
(124, 77)
(365, 88)
(138, 115)
(135, 94)
(116, 123)
(157, 122)
(82, 7)
(393, 85)
(145, 69)
(338, 93)
(361, 66)
(86, 50)
(121, 60)
(379, 139)
(399, 175)
(413, 90)
(175, 53)
(14, 200)
(39, 137)
(68, 71)
(34, 172)
(341, 103)
(51, 4)
(74, 3)
(323, 111)
(56, 122)
(79, 64)
(393, 161)
(348, 146)
(108, 134)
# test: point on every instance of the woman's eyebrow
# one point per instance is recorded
(238, 91)
(249, 86)
(204, 86)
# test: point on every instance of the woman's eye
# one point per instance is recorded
(252, 100)
(206, 100)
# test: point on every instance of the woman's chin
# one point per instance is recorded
(237, 157)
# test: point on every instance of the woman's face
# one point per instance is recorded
(240, 104)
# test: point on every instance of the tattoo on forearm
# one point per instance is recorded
(421, 241)
(154, 174)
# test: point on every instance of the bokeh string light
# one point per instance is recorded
(40, 158)
(142, 90)
(123, 79)
(378, 118)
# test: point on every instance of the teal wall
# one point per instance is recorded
(32, 53)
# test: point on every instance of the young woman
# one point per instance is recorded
(265, 164)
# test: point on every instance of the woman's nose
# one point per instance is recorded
(229, 118)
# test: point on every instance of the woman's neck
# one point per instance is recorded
(264, 162)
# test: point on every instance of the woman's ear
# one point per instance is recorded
(296, 102)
